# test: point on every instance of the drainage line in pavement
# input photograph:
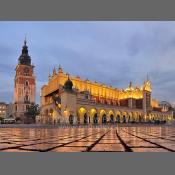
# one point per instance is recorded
(49, 149)
(160, 146)
(153, 136)
(96, 142)
(127, 148)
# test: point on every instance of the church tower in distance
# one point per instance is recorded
(24, 84)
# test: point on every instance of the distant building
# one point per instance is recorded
(6, 110)
(24, 84)
(3, 110)
(10, 111)
(174, 113)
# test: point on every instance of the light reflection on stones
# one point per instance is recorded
(138, 139)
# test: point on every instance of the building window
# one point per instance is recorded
(86, 96)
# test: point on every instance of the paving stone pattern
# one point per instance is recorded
(83, 139)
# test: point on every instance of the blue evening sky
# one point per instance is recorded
(113, 53)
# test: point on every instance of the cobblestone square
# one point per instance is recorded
(140, 138)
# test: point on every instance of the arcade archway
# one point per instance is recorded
(103, 116)
(93, 116)
(111, 116)
(124, 117)
(71, 119)
(118, 117)
(82, 115)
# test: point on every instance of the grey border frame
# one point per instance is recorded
(87, 163)
(81, 10)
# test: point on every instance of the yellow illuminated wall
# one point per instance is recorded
(97, 90)
(154, 103)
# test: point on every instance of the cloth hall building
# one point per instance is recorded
(68, 99)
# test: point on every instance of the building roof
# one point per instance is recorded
(24, 58)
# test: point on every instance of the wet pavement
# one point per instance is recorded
(92, 139)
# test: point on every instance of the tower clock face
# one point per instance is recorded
(26, 70)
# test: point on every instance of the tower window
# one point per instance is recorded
(26, 83)
(26, 98)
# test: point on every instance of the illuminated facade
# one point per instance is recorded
(6, 110)
(24, 84)
(3, 110)
(68, 99)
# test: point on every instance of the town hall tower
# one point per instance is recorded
(24, 84)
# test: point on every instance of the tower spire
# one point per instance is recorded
(25, 40)
(24, 57)
(130, 84)
(60, 70)
(54, 71)
(49, 76)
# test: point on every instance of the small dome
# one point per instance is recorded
(165, 103)
(68, 84)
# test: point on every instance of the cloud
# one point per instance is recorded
(113, 53)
